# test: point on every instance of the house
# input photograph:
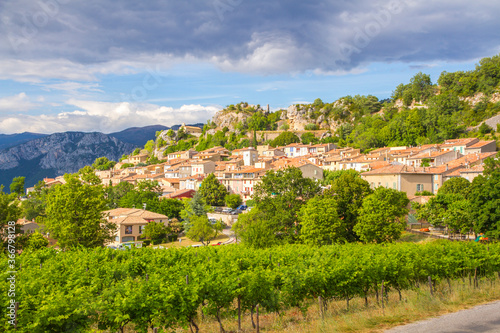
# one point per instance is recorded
(130, 223)
(481, 147)
(250, 156)
(193, 130)
(140, 158)
(458, 144)
(203, 167)
(185, 154)
(403, 178)
(272, 152)
(191, 182)
(180, 194)
(433, 158)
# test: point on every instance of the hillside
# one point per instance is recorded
(57, 154)
(138, 136)
(11, 140)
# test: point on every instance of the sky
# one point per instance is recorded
(103, 65)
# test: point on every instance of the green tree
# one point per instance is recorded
(156, 231)
(150, 146)
(170, 207)
(458, 217)
(87, 174)
(170, 133)
(9, 208)
(308, 138)
(320, 221)
(455, 185)
(253, 229)
(349, 190)
(213, 191)
(284, 139)
(233, 200)
(17, 186)
(102, 163)
(485, 200)
(193, 207)
(115, 193)
(74, 214)
(35, 242)
(202, 230)
(381, 217)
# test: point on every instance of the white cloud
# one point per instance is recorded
(106, 117)
(19, 102)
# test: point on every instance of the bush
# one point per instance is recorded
(423, 194)
(250, 203)
(233, 200)
(311, 127)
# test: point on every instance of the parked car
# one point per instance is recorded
(242, 207)
(219, 243)
(227, 210)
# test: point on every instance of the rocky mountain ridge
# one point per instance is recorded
(57, 154)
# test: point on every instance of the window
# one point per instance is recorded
(420, 187)
(141, 229)
(128, 239)
(394, 185)
(128, 230)
(386, 185)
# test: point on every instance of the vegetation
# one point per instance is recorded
(156, 231)
(144, 288)
(203, 231)
(74, 214)
(233, 200)
(212, 191)
(284, 139)
(102, 163)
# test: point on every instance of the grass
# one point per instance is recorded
(412, 238)
(415, 305)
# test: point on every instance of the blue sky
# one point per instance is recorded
(102, 65)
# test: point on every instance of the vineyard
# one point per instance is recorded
(104, 289)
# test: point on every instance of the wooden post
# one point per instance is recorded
(476, 284)
(40, 266)
(155, 330)
(239, 308)
(430, 285)
(16, 307)
(320, 305)
(147, 277)
(382, 297)
(187, 279)
(257, 312)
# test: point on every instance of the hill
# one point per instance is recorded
(57, 154)
(138, 136)
(11, 140)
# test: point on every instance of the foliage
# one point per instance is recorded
(311, 127)
(87, 175)
(170, 133)
(420, 88)
(349, 190)
(126, 165)
(102, 163)
(212, 191)
(115, 193)
(9, 208)
(308, 138)
(136, 151)
(202, 230)
(253, 229)
(74, 214)
(320, 222)
(170, 207)
(17, 186)
(455, 185)
(36, 241)
(285, 138)
(109, 290)
(233, 200)
(156, 231)
(381, 217)
(485, 200)
(153, 160)
(196, 206)
(330, 176)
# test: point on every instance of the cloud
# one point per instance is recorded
(98, 37)
(106, 117)
(19, 102)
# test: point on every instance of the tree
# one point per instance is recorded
(330, 176)
(170, 133)
(9, 208)
(458, 217)
(17, 186)
(455, 185)
(202, 230)
(233, 200)
(193, 207)
(35, 242)
(156, 231)
(381, 217)
(150, 146)
(115, 193)
(308, 138)
(279, 196)
(74, 214)
(213, 191)
(102, 163)
(87, 174)
(485, 200)
(253, 229)
(320, 221)
(284, 139)
(170, 207)
(349, 190)
(34, 205)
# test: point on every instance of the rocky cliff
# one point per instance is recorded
(57, 154)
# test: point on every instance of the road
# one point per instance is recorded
(483, 318)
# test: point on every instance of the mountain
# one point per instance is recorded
(57, 154)
(11, 140)
(138, 136)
